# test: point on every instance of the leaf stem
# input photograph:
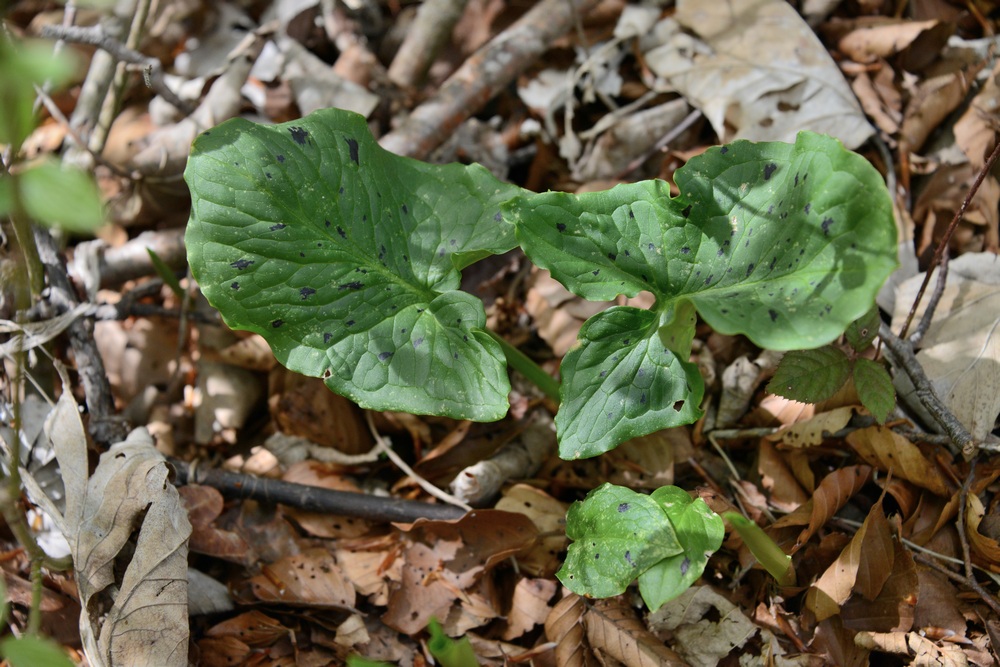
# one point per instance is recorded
(528, 368)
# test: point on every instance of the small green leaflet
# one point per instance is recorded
(811, 376)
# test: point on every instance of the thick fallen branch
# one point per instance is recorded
(313, 498)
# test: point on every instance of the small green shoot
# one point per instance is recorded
(770, 556)
(447, 651)
(166, 274)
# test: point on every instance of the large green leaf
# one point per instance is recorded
(346, 259)
(785, 243)
(618, 534)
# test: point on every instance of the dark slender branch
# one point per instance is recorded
(313, 498)
(946, 239)
(95, 36)
(901, 355)
(928, 316)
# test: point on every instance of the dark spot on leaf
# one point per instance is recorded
(631, 215)
(597, 556)
(687, 211)
(306, 292)
(685, 564)
(808, 206)
(235, 285)
(724, 150)
(349, 323)
(750, 269)
(405, 209)
(611, 415)
(623, 507)
(773, 314)
(642, 399)
(720, 252)
(268, 174)
(327, 373)
(770, 209)
(769, 170)
(678, 405)
(826, 224)
(302, 254)
(685, 250)
(644, 278)
(278, 226)
(628, 558)
(340, 190)
(561, 227)
(299, 135)
(596, 272)
(327, 337)
(352, 147)
(241, 264)
(281, 158)
(498, 216)
(612, 256)
(236, 164)
(417, 342)
(709, 279)
(384, 355)
(353, 285)
(796, 178)
(602, 373)
(277, 323)
(724, 311)
(774, 260)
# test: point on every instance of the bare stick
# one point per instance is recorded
(95, 36)
(424, 39)
(482, 76)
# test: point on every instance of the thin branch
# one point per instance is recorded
(901, 355)
(928, 316)
(946, 239)
(424, 39)
(95, 36)
(312, 498)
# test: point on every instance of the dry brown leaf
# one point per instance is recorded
(938, 606)
(253, 628)
(311, 578)
(204, 505)
(324, 524)
(986, 548)
(919, 650)
(975, 131)
(869, 38)
(564, 627)
(139, 617)
(614, 630)
(809, 433)
(785, 492)
(892, 609)
(886, 450)
(542, 559)
(930, 104)
(832, 493)
(838, 644)
(223, 651)
(304, 407)
(530, 606)
(369, 567)
(749, 92)
(880, 99)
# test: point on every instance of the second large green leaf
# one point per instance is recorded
(346, 259)
(785, 243)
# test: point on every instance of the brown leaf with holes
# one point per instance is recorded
(890, 452)
(323, 524)
(542, 559)
(253, 628)
(530, 606)
(204, 505)
(810, 432)
(776, 477)
(614, 630)
(311, 578)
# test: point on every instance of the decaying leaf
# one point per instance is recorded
(311, 578)
(888, 451)
(614, 630)
(756, 70)
(832, 493)
(705, 625)
(139, 617)
(564, 627)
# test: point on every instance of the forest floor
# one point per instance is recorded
(893, 530)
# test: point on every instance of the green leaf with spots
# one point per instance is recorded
(810, 376)
(700, 532)
(863, 330)
(785, 243)
(874, 386)
(617, 535)
(346, 259)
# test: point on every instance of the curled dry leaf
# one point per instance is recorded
(254, 628)
(311, 578)
(204, 505)
(888, 451)
(705, 626)
(832, 493)
(614, 631)
(139, 618)
(809, 433)
(564, 627)
(986, 548)
(530, 606)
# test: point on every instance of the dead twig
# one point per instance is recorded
(482, 76)
(96, 36)
(424, 39)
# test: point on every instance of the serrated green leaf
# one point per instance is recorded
(874, 386)
(862, 331)
(700, 532)
(61, 196)
(810, 376)
(346, 259)
(23, 66)
(785, 243)
(622, 382)
(617, 535)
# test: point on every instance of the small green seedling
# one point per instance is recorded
(347, 260)
(770, 556)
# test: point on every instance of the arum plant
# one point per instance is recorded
(347, 259)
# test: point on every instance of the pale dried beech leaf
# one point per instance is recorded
(530, 606)
(141, 617)
(310, 579)
(756, 70)
(832, 493)
(961, 349)
(888, 451)
(549, 516)
(869, 38)
(614, 630)
(705, 626)
(809, 433)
